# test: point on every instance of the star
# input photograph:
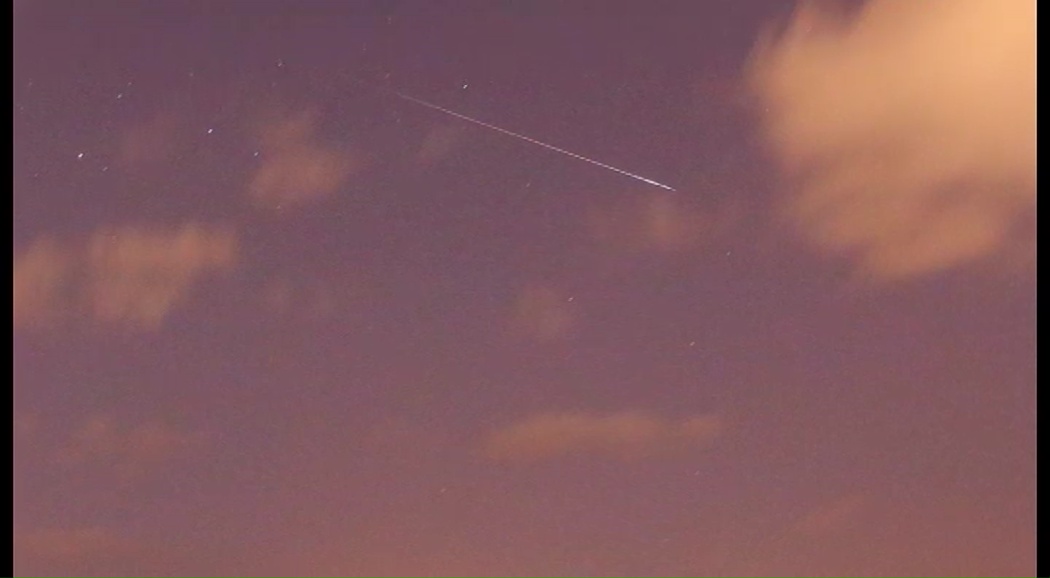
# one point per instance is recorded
(211, 130)
(80, 156)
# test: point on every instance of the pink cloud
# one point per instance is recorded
(297, 168)
(620, 435)
(127, 276)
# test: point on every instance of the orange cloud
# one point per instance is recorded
(543, 314)
(621, 435)
(65, 544)
(831, 516)
(125, 276)
(439, 144)
(149, 143)
(130, 450)
(296, 169)
(311, 300)
(658, 221)
(909, 128)
(41, 277)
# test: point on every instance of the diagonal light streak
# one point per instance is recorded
(517, 135)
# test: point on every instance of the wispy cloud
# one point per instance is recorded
(622, 435)
(68, 543)
(131, 450)
(308, 300)
(297, 168)
(128, 276)
(543, 313)
(655, 222)
(909, 128)
(148, 143)
(831, 516)
(41, 279)
(439, 143)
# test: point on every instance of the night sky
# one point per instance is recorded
(272, 319)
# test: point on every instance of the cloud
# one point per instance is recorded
(909, 128)
(543, 314)
(41, 276)
(439, 144)
(296, 169)
(830, 517)
(149, 143)
(66, 544)
(621, 435)
(658, 222)
(130, 450)
(310, 300)
(127, 276)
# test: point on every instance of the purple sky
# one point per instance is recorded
(270, 321)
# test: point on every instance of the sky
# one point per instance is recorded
(271, 318)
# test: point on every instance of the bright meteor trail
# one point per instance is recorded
(516, 135)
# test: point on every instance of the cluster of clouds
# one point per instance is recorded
(122, 276)
(908, 129)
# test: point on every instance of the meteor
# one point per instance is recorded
(422, 102)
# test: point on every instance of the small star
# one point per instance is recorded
(80, 156)
(692, 343)
(570, 299)
(104, 169)
(120, 95)
(211, 130)
(465, 86)
(280, 63)
(255, 154)
(728, 253)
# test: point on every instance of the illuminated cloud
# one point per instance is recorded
(127, 276)
(543, 314)
(67, 544)
(658, 221)
(41, 279)
(130, 450)
(310, 300)
(439, 144)
(909, 128)
(296, 168)
(149, 143)
(623, 435)
(830, 517)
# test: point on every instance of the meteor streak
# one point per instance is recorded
(515, 135)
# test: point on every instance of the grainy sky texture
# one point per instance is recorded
(271, 320)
